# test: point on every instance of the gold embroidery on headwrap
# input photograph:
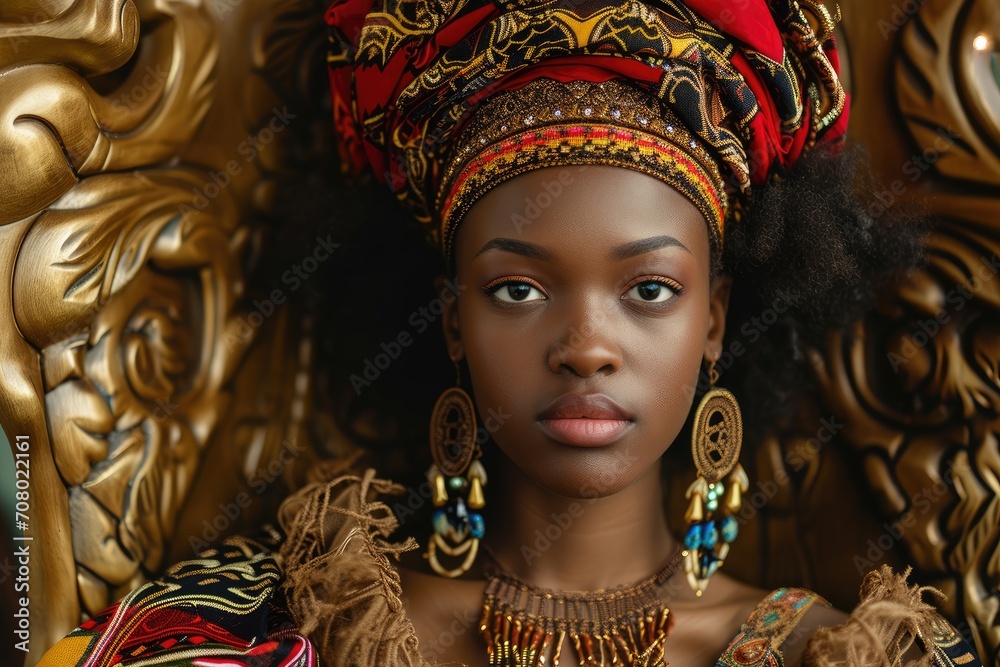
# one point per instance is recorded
(548, 123)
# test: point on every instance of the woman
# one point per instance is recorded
(645, 321)
(601, 178)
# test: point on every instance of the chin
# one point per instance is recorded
(583, 473)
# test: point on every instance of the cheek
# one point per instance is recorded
(500, 356)
(666, 364)
(674, 372)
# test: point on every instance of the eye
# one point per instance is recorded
(514, 290)
(649, 289)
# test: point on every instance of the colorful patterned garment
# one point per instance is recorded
(768, 627)
(222, 609)
(777, 618)
(226, 609)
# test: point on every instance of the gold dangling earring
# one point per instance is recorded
(457, 478)
(716, 439)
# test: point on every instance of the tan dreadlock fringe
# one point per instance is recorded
(881, 629)
(345, 594)
(340, 585)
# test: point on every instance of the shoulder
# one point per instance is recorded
(892, 624)
(779, 627)
(816, 617)
(735, 623)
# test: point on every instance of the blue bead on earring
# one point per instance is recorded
(715, 446)
(457, 478)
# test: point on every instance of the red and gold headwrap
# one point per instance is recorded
(445, 99)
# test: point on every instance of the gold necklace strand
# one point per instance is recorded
(623, 626)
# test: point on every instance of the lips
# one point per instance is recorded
(585, 420)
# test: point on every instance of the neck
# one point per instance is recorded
(552, 541)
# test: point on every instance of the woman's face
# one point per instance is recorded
(584, 320)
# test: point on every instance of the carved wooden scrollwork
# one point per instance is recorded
(132, 393)
(140, 146)
(919, 378)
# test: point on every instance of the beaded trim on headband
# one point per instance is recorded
(549, 123)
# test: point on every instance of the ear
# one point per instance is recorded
(718, 305)
(449, 319)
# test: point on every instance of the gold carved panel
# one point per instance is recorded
(141, 142)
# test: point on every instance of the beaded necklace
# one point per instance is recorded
(625, 625)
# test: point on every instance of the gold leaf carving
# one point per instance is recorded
(922, 399)
(55, 128)
(90, 36)
(135, 152)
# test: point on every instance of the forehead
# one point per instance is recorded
(591, 205)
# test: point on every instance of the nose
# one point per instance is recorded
(586, 346)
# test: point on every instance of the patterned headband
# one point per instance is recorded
(445, 99)
(548, 123)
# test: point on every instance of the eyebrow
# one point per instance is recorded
(633, 248)
(518, 247)
(624, 251)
